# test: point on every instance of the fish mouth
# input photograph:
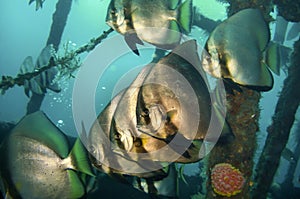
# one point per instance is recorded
(95, 162)
(111, 24)
(95, 158)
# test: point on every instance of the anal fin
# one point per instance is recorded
(131, 40)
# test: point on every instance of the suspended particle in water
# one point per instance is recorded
(60, 123)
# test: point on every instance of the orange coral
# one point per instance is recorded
(226, 180)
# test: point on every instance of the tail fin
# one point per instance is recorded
(273, 57)
(185, 15)
(132, 39)
(80, 159)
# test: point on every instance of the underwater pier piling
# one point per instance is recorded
(279, 130)
(289, 9)
(265, 6)
(59, 21)
(290, 179)
(284, 117)
(242, 115)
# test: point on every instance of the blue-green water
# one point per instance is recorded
(24, 31)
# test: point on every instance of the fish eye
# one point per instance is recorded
(92, 149)
(145, 112)
(113, 12)
(137, 142)
(117, 136)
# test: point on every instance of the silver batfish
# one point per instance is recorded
(163, 116)
(37, 163)
(159, 22)
(239, 51)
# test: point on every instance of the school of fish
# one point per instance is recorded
(162, 118)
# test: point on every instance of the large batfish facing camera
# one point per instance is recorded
(158, 22)
(36, 161)
(163, 116)
(105, 153)
(239, 51)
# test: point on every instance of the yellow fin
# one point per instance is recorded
(171, 114)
